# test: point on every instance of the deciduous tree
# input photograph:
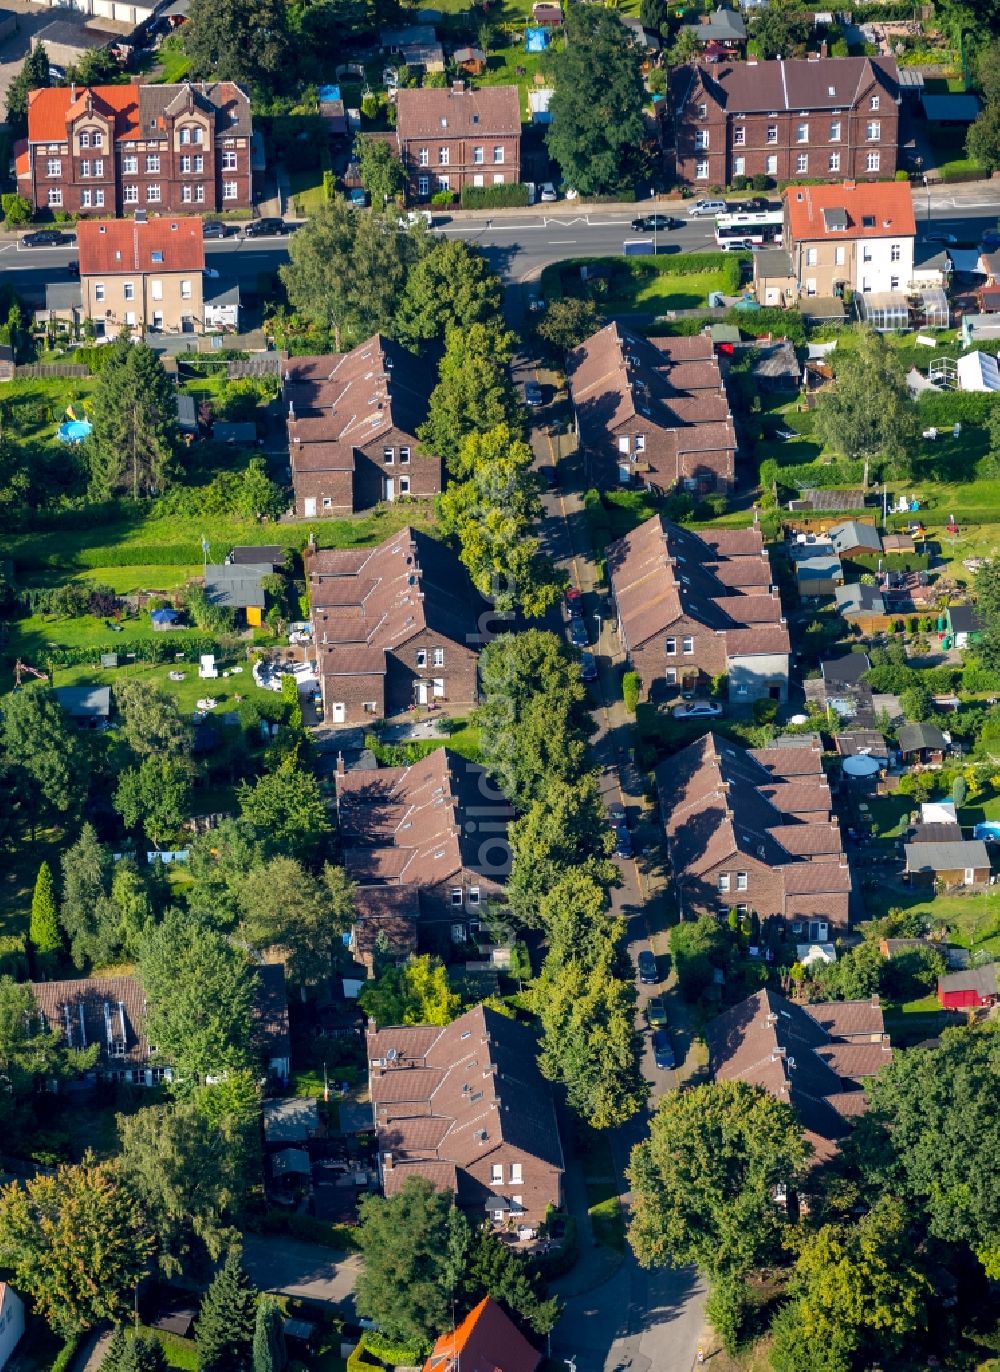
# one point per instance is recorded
(199, 993)
(246, 41)
(533, 721)
(77, 1242)
(150, 722)
(412, 1246)
(565, 830)
(568, 323)
(493, 513)
(452, 284)
(474, 393)
(156, 795)
(29, 1054)
(860, 1296)
(982, 142)
(184, 1171)
(305, 921)
(868, 413)
(382, 173)
(932, 1136)
(218, 864)
(703, 1182)
(596, 106)
(225, 1325)
(287, 811)
(134, 417)
(49, 760)
(418, 992)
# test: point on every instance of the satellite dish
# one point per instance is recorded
(861, 766)
(391, 1055)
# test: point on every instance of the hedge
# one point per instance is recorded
(944, 408)
(66, 1354)
(393, 1353)
(13, 955)
(357, 1362)
(494, 197)
(114, 555)
(631, 686)
(891, 562)
(155, 648)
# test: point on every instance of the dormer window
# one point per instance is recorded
(701, 111)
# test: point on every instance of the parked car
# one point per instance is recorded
(547, 192)
(550, 475)
(588, 667)
(413, 218)
(647, 223)
(656, 1013)
(616, 814)
(573, 597)
(737, 245)
(43, 238)
(623, 842)
(73, 268)
(698, 709)
(578, 632)
(648, 974)
(707, 208)
(214, 228)
(663, 1054)
(264, 228)
(532, 394)
(941, 237)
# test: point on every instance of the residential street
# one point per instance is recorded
(635, 1319)
(520, 242)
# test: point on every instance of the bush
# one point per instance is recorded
(16, 210)
(761, 182)
(494, 197)
(394, 1354)
(727, 1309)
(941, 409)
(631, 687)
(902, 175)
(360, 1362)
(66, 1354)
(13, 956)
(443, 198)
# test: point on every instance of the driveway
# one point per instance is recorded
(306, 1270)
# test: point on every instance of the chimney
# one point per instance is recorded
(386, 1162)
(458, 86)
(824, 48)
(291, 409)
(341, 769)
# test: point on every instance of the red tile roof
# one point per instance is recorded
(429, 113)
(120, 245)
(487, 1340)
(48, 110)
(888, 205)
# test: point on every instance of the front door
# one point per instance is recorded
(309, 505)
(388, 488)
(337, 712)
(423, 692)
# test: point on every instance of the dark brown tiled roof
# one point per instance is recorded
(105, 1010)
(850, 1019)
(465, 113)
(799, 84)
(408, 825)
(660, 572)
(784, 1048)
(374, 601)
(477, 1078)
(270, 1013)
(442, 1175)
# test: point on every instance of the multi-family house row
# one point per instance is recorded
(815, 1058)
(456, 137)
(466, 1107)
(785, 119)
(854, 236)
(652, 412)
(110, 1011)
(394, 626)
(754, 831)
(110, 150)
(352, 429)
(142, 275)
(692, 607)
(437, 828)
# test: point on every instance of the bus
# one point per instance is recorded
(758, 227)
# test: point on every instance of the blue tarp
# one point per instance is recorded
(328, 93)
(164, 617)
(535, 40)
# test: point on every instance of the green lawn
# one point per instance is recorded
(636, 284)
(180, 1352)
(173, 62)
(186, 693)
(972, 920)
(916, 1020)
(308, 190)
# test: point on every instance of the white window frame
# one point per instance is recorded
(186, 291)
(128, 290)
(802, 163)
(739, 136)
(496, 1174)
(230, 190)
(873, 131)
(671, 647)
(701, 170)
(153, 163)
(874, 103)
(687, 645)
(438, 657)
(99, 292)
(130, 195)
(771, 165)
(802, 133)
(724, 883)
(444, 156)
(499, 154)
(895, 252)
(741, 881)
(424, 157)
(53, 167)
(515, 1174)
(423, 185)
(772, 133)
(130, 165)
(456, 896)
(152, 195)
(835, 161)
(835, 131)
(873, 162)
(421, 657)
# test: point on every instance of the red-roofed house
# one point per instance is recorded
(487, 1340)
(112, 149)
(143, 275)
(459, 137)
(856, 235)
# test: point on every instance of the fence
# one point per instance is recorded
(40, 369)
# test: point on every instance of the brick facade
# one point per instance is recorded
(448, 139)
(111, 150)
(352, 429)
(829, 118)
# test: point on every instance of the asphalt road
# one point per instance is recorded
(519, 244)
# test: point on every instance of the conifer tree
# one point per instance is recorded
(224, 1332)
(44, 928)
(269, 1352)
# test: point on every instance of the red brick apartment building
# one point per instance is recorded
(652, 412)
(696, 606)
(825, 117)
(352, 429)
(394, 626)
(458, 137)
(754, 830)
(110, 150)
